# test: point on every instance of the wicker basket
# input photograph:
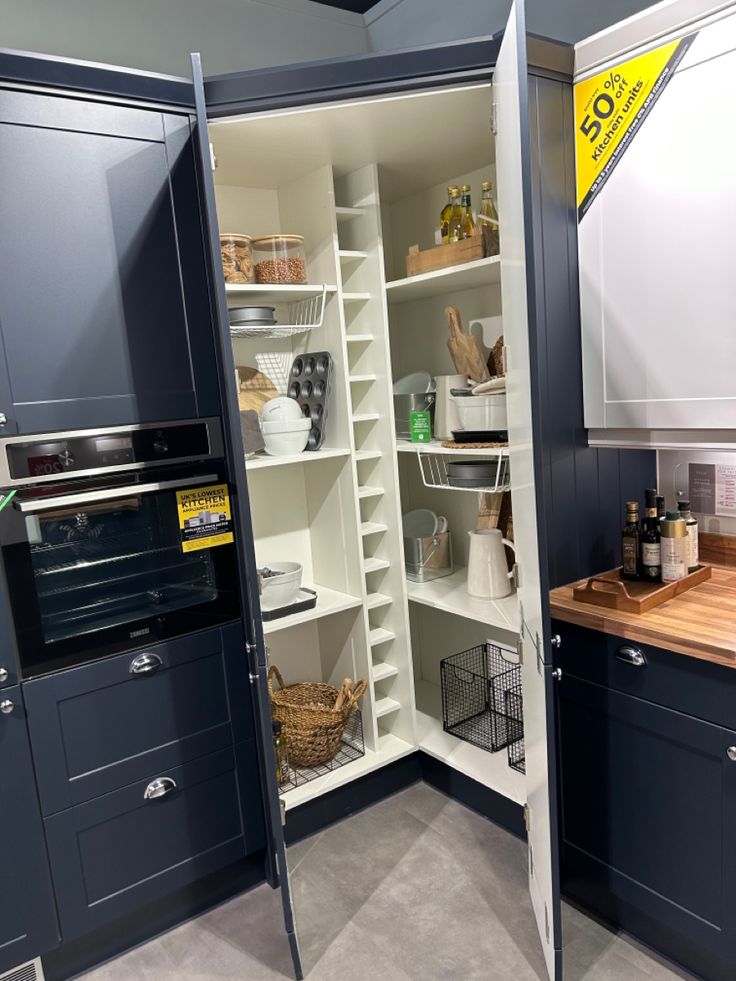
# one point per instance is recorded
(313, 716)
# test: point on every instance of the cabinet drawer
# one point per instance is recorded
(112, 855)
(677, 681)
(101, 726)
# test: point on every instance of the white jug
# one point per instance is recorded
(488, 575)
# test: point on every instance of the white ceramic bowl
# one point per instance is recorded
(414, 384)
(482, 412)
(281, 408)
(286, 444)
(281, 589)
(300, 425)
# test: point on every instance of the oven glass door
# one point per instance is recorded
(98, 568)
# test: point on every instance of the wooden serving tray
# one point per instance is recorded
(610, 590)
(441, 256)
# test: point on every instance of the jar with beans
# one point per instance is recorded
(237, 258)
(280, 259)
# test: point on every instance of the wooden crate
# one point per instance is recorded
(428, 260)
(609, 589)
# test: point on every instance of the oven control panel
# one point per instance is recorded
(52, 456)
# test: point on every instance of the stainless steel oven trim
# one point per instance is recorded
(109, 494)
(214, 439)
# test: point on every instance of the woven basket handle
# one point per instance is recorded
(273, 672)
(350, 695)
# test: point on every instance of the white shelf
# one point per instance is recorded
(436, 447)
(385, 706)
(450, 594)
(382, 671)
(264, 462)
(359, 338)
(260, 294)
(490, 769)
(366, 417)
(352, 255)
(390, 748)
(372, 528)
(362, 455)
(329, 601)
(375, 601)
(365, 492)
(375, 565)
(344, 214)
(369, 377)
(361, 297)
(380, 636)
(469, 275)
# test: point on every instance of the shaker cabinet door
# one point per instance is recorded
(28, 924)
(104, 315)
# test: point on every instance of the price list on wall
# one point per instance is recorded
(712, 488)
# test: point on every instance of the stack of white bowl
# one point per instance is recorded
(285, 429)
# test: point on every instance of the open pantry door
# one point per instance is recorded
(513, 178)
(254, 656)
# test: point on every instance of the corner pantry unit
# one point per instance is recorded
(355, 157)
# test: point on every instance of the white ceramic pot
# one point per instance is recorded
(488, 574)
(482, 412)
(282, 589)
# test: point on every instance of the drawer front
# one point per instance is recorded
(102, 726)
(112, 855)
(686, 684)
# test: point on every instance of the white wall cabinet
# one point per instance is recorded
(657, 290)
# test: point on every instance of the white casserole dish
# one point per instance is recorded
(486, 413)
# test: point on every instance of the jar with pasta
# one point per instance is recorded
(280, 259)
(237, 258)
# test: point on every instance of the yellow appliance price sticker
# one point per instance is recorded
(205, 518)
(611, 106)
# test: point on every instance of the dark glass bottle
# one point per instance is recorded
(650, 564)
(630, 542)
(661, 511)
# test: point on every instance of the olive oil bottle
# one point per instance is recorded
(488, 220)
(650, 565)
(455, 231)
(630, 542)
(446, 214)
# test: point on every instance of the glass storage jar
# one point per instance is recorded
(237, 258)
(280, 259)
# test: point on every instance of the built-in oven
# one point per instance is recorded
(112, 539)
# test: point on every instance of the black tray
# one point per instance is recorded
(480, 436)
(305, 602)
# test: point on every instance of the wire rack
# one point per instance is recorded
(515, 719)
(433, 468)
(303, 316)
(351, 748)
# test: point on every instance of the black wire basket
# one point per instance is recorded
(474, 686)
(351, 748)
(515, 721)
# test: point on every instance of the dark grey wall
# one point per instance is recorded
(404, 23)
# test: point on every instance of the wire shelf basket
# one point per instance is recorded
(351, 748)
(433, 468)
(474, 687)
(304, 315)
(515, 720)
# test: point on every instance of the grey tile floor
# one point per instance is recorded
(416, 887)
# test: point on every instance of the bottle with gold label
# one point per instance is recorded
(455, 231)
(468, 219)
(630, 542)
(452, 193)
(488, 220)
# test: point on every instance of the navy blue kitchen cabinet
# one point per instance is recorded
(648, 794)
(104, 306)
(28, 923)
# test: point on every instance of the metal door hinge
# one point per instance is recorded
(520, 648)
(494, 118)
(282, 811)
(516, 575)
(213, 159)
(527, 818)
(250, 648)
(253, 678)
(557, 674)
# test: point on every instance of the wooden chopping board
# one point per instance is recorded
(254, 389)
(465, 350)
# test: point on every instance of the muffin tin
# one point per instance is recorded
(309, 384)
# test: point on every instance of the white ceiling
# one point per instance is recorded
(417, 139)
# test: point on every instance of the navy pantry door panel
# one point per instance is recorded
(104, 315)
(27, 911)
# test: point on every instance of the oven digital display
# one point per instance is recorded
(108, 444)
(41, 466)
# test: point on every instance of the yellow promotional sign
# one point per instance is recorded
(610, 108)
(205, 518)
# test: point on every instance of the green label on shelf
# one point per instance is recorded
(421, 427)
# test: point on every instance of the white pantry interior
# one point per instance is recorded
(362, 182)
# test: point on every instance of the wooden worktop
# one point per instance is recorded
(700, 622)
